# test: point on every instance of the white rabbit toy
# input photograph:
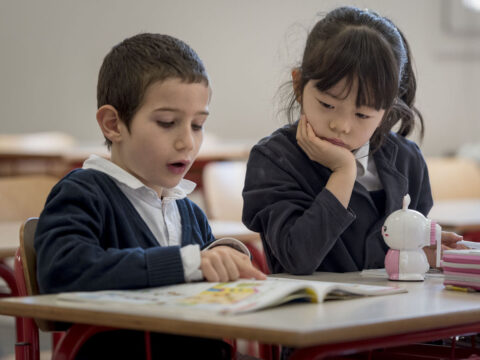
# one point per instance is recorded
(406, 232)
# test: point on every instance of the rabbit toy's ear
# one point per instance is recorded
(406, 202)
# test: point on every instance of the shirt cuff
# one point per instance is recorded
(234, 243)
(191, 263)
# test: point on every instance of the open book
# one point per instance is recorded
(234, 297)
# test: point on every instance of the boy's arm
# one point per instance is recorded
(85, 242)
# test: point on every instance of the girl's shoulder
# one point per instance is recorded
(280, 141)
(402, 148)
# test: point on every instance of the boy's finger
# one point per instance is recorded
(252, 272)
(231, 268)
(209, 272)
(219, 267)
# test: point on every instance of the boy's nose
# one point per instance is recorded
(184, 140)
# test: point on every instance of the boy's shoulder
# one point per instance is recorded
(86, 181)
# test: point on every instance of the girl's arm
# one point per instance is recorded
(284, 200)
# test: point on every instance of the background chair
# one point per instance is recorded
(65, 344)
(21, 197)
(453, 177)
(222, 188)
(24, 196)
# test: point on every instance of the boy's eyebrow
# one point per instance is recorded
(201, 112)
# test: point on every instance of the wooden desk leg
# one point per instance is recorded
(6, 273)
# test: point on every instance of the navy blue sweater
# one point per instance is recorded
(90, 237)
(304, 228)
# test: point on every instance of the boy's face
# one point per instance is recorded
(165, 134)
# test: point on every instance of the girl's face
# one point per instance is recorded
(335, 117)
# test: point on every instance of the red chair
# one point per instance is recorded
(66, 340)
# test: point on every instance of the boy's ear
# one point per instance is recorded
(296, 78)
(110, 123)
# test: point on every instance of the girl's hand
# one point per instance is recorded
(449, 242)
(223, 263)
(338, 159)
(332, 156)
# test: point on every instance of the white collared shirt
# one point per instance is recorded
(367, 174)
(161, 215)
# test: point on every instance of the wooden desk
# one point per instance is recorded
(460, 215)
(426, 312)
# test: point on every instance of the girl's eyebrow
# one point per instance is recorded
(175, 110)
(338, 97)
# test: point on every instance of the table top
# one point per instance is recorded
(9, 238)
(426, 306)
(459, 214)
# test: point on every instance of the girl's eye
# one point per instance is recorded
(196, 127)
(325, 105)
(362, 116)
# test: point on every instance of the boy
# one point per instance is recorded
(126, 223)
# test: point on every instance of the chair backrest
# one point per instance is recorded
(223, 184)
(453, 177)
(29, 264)
(24, 196)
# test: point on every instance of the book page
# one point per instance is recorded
(233, 297)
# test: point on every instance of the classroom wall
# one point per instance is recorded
(51, 51)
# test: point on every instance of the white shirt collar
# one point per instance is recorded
(96, 162)
(362, 156)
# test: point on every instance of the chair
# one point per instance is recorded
(21, 197)
(453, 177)
(222, 187)
(24, 196)
(66, 343)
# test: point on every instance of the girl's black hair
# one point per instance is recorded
(352, 43)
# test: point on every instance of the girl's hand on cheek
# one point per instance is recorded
(332, 156)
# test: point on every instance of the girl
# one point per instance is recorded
(319, 189)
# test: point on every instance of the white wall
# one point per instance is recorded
(51, 51)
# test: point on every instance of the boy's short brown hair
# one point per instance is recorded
(139, 61)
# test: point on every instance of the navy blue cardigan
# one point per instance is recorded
(90, 237)
(304, 228)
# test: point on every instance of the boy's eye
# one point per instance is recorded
(165, 124)
(325, 105)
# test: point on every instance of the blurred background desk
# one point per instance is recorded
(56, 153)
(459, 215)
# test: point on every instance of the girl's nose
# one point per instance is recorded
(340, 125)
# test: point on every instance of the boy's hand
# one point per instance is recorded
(449, 242)
(332, 156)
(223, 263)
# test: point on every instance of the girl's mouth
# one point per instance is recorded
(337, 142)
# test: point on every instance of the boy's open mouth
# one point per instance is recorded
(177, 167)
